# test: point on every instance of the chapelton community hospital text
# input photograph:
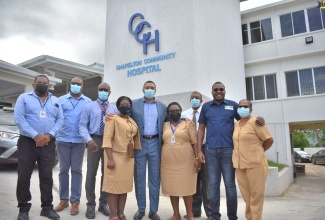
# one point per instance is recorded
(146, 61)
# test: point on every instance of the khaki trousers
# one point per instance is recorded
(252, 187)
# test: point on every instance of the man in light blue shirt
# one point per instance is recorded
(91, 128)
(39, 117)
(71, 147)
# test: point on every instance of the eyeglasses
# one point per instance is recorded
(174, 111)
(220, 89)
(243, 106)
(101, 89)
(75, 83)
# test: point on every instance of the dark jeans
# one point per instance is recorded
(93, 159)
(202, 189)
(28, 155)
(219, 161)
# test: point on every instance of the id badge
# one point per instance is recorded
(173, 140)
(104, 119)
(42, 113)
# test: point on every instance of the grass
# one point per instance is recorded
(274, 164)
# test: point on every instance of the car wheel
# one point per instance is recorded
(299, 160)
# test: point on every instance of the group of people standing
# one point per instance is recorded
(186, 151)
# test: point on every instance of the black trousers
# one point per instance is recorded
(202, 189)
(28, 155)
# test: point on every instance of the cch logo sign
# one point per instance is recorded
(321, 4)
(145, 40)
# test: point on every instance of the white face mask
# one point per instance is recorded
(243, 112)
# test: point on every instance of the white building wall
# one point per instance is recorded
(204, 35)
(278, 56)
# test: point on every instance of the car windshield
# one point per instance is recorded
(7, 118)
(302, 152)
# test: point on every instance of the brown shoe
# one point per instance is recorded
(62, 205)
(74, 209)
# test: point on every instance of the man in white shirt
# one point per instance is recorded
(201, 194)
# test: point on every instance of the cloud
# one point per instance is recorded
(68, 29)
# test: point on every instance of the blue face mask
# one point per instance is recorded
(102, 95)
(149, 93)
(195, 102)
(75, 89)
(243, 112)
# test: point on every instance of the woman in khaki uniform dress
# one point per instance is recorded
(179, 166)
(121, 137)
(250, 143)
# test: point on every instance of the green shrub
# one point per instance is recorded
(274, 164)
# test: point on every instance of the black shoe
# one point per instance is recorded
(90, 213)
(154, 216)
(138, 215)
(194, 215)
(23, 216)
(51, 214)
(103, 208)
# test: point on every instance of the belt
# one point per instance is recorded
(96, 135)
(149, 137)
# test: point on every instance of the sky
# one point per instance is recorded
(72, 30)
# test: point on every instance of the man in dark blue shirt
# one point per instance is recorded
(217, 117)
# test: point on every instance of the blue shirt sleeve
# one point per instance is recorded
(203, 118)
(59, 118)
(83, 124)
(19, 115)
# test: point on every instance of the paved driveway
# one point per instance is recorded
(304, 200)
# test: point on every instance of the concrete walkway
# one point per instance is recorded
(304, 200)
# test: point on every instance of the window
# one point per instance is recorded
(244, 33)
(293, 23)
(306, 82)
(261, 87)
(316, 18)
(259, 31)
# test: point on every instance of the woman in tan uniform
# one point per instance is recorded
(250, 143)
(121, 137)
(179, 166)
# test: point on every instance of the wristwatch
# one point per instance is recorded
(51, 136)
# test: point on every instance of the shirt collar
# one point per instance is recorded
(80, 97)
(100, 101)
(34, 94)
(224, 101)
(154, 100)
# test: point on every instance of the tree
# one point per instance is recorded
(300, 139)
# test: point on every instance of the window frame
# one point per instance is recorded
(252, 89)
(249, 36)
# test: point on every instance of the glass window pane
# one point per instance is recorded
(244, 32)
(286, 25)
(266, 27)
(255, 32)
(323, 16)
(249, 88)
(314, 18)
(306, 82)
(319, 74)
(259, 91)
(299, 25)
(292, 83)
(271, 89)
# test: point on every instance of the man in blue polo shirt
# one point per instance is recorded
(217, 117)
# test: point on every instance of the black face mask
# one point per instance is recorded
(124, 109)
(41, 89)
(175, 116)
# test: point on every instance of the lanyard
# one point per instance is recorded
(44, 103)
(101, 106)
(74, 106)
(171, 127)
